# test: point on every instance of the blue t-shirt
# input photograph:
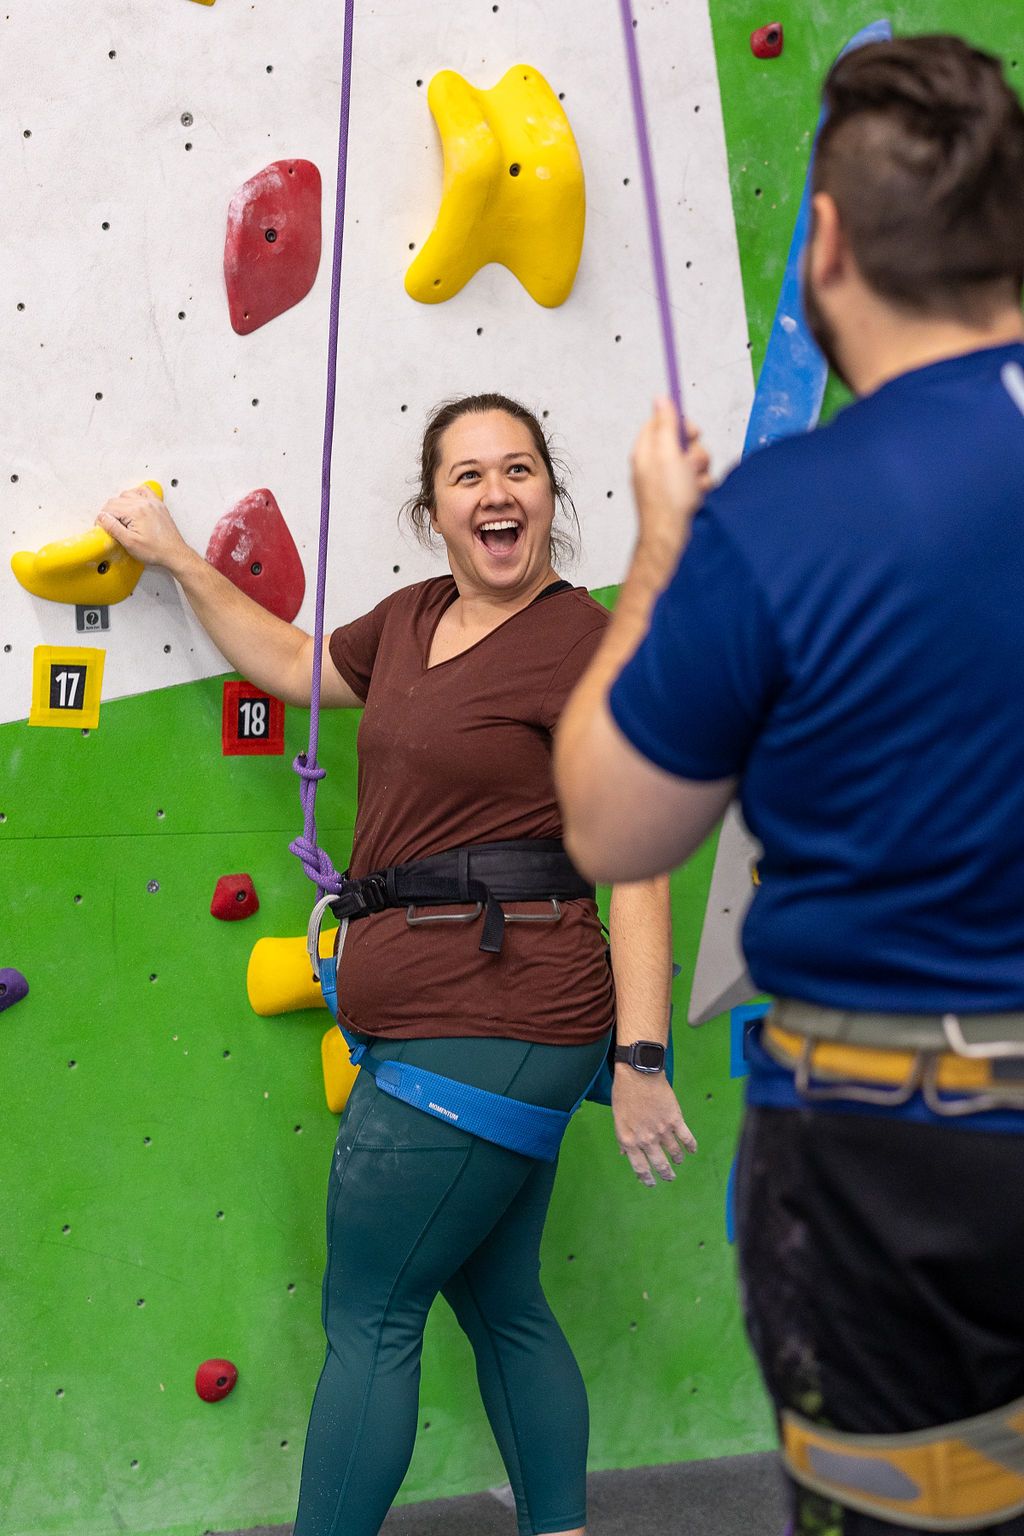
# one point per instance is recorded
(845, 633)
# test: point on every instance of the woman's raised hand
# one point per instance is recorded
(140, 522)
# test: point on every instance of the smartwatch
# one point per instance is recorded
(642, 1055)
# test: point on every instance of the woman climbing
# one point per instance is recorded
(462, 679)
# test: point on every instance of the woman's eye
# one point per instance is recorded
(468, 474)
(524, 467)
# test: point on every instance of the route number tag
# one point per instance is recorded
(66, 686)
(252, 722)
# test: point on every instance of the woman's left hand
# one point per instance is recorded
(649, 1124)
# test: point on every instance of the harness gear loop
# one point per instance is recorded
(951, 1083)
(900, 1093)
(955, 1477)
(985, 1050)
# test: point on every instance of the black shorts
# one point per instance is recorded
(882, 1269)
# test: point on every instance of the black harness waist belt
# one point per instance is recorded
(482, 875)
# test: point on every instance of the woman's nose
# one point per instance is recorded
(494, 491)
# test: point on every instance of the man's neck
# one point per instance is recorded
(889, 343)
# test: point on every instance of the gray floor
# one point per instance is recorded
(740, 1496)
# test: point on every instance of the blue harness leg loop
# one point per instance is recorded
(530, 1129)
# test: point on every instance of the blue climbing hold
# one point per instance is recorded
(791, 387)
(13, 987)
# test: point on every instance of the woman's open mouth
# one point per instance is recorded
(500, 536)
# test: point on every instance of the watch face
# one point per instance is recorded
(648, 1056)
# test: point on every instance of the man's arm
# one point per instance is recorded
(624, 817)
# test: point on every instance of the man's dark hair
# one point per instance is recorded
(923, 152)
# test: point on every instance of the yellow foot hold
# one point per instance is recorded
(279, 978)
(91, 568)
(513, 189)
(206, 2)
(339, 1073)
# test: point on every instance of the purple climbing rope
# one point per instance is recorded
(651, 198)
(316, 863)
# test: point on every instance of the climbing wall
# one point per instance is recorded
(170, 1146)
(167, 1148)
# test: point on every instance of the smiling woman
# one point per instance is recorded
(462, 680)
(419, 511)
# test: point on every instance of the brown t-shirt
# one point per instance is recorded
(461, 753)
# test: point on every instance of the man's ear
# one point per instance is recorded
(828, 250)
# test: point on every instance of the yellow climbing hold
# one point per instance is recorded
(91, 568)
(279, 978)
(513, 189)
(339, 1073)
(206, 2)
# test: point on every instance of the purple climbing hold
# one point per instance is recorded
(13, 987)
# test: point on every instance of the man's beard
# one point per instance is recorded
(821, 328)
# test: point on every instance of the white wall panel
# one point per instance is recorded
(261, 80)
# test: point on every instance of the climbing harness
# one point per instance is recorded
(956, 1477)
(481, 876)
(927, 1085)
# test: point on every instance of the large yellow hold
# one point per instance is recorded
(279, 980)
(91, 568)
(513, 189)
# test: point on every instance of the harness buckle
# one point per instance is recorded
(373, 892)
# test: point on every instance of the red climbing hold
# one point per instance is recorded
(13, 987)
(215, 1379)
(252, 547)
(272, 249)
(234, 897)
(766, 42)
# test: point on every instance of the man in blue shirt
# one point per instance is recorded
(837, 637)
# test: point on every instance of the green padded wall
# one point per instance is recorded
(169, 1152)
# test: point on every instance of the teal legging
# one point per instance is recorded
(416, 1207)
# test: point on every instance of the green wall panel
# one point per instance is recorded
(166, 1156)
(771, 110)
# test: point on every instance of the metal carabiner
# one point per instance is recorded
(316, 922)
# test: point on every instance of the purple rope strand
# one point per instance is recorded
(315, 862)
(653, 219)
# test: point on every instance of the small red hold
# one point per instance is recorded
(234, 897)
(215, 1379)
(13, 987)
(252, 547)
(272, 248)
(766, 42)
